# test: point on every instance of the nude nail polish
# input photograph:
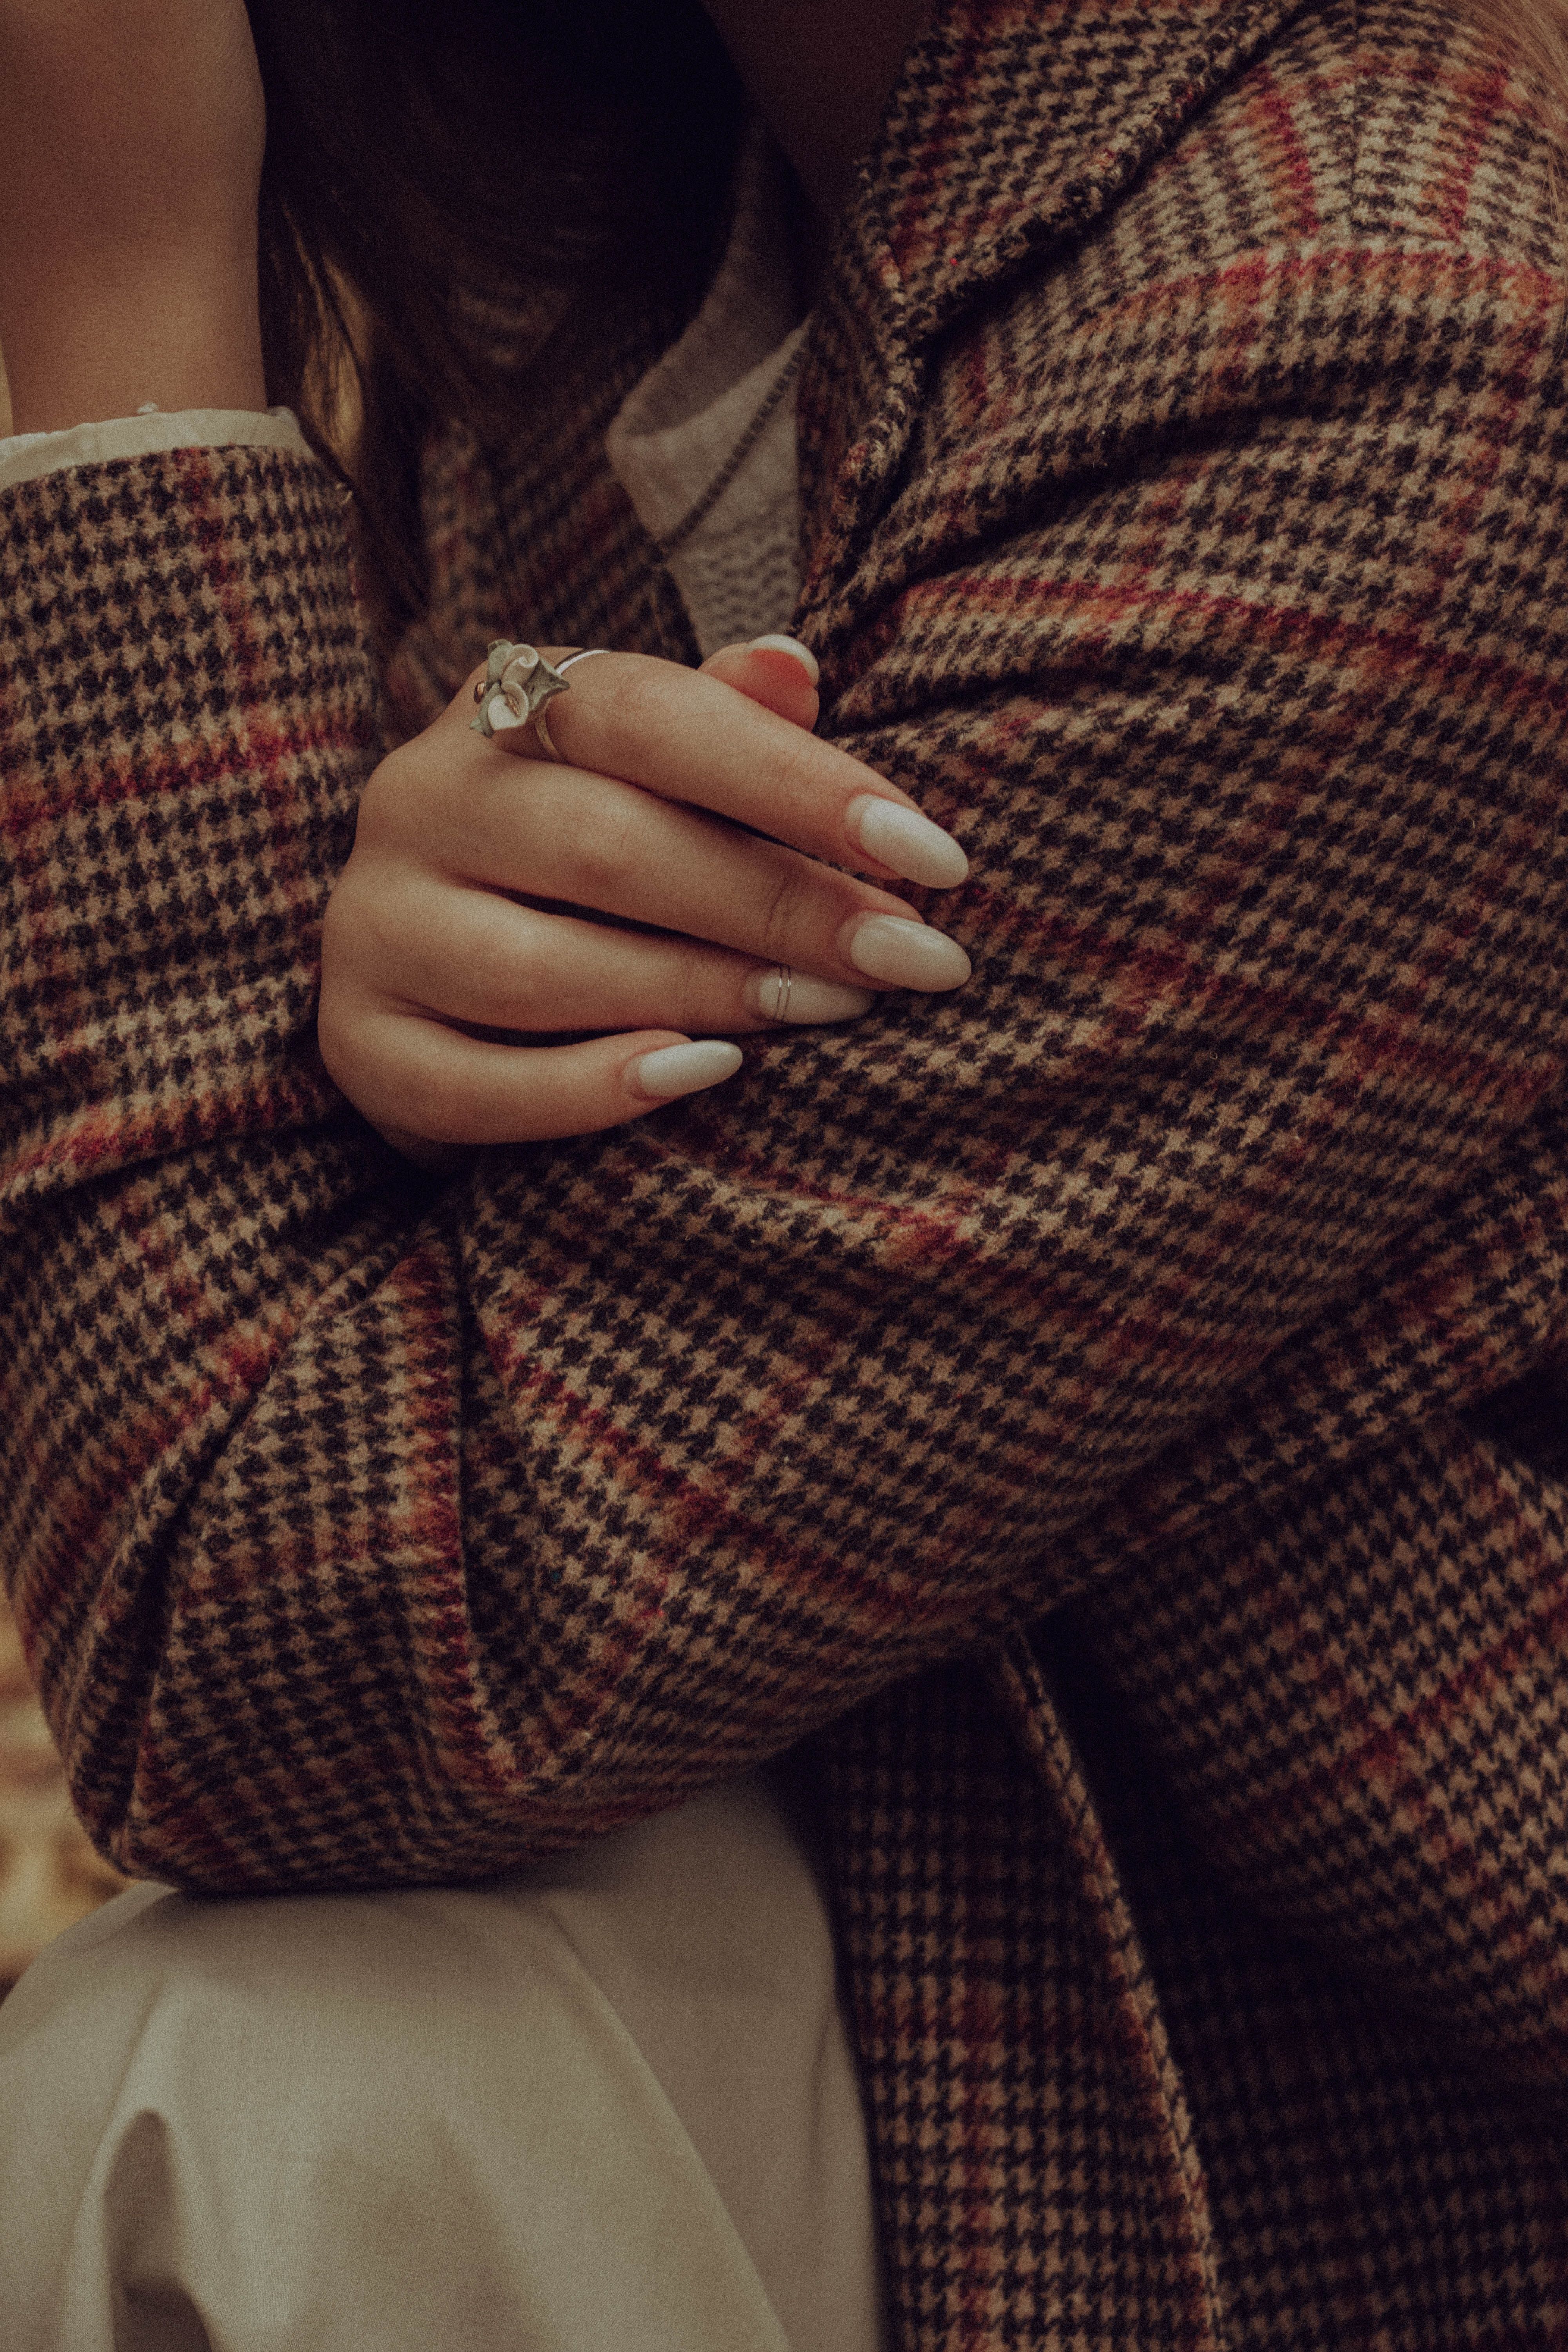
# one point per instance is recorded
(909, 843)
(903, 955)
(672, 1070)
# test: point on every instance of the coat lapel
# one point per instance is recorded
(1012, 128)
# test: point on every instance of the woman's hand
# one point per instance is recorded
(459, 913)
(130, 143)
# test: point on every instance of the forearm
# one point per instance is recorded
(638, 1458)
(131, 143)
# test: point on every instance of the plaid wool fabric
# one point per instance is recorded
(1116, 1414)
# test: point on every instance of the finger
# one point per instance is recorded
(589, 841)
(690, 738)
(778, 672)
(425, 1084)
(473, 957)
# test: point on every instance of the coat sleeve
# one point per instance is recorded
(1165, 1263)
(364, 1539)
(1251, 717)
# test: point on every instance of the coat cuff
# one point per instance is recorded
(186, 718)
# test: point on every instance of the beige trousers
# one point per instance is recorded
(608, 2102)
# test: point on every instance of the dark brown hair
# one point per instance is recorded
(532, 148)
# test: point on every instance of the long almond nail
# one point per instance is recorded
(776, 644)
(672, 1070)
(903, 955)
(907, 842)
(780, 994)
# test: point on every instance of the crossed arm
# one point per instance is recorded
(368, 1533)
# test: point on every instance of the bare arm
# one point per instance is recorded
(131, 146)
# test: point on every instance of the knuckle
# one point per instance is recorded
(512, 986)
(800, 765)
(630, 692)
(798, 780)
(390, 804)
(605, 849)
(780, 912)
(701, 998)
(364, 919)
(632, 707)
(339, 1035)
(347, 933)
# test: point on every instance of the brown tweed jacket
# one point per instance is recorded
(1119, 1417)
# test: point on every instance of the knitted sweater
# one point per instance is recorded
(1116, 1414)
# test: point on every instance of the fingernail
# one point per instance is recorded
(767, 996)
(904, 955)
(907, 842)
(780, 645)
(674, 1070)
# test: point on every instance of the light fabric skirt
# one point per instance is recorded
(606, 2104)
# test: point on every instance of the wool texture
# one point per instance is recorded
(1112, 1415)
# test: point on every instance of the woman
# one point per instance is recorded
(1180, 476)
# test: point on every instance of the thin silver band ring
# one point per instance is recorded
(541, 722)
(783, 980)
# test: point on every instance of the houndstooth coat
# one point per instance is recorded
(1116, 1417)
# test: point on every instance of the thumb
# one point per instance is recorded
(777, 671)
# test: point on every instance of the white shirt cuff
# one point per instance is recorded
(26, 456)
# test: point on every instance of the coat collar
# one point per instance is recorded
(1013, 126)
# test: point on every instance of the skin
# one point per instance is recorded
(132, 135)
(819, 73)
(130, 143)
(427, 948)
